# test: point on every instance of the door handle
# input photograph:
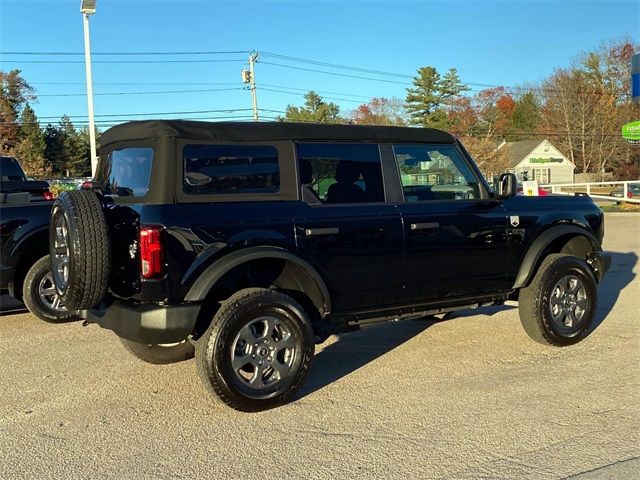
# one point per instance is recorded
(321, 231)
(425, 226)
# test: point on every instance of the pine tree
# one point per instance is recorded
(31, 145)
(526, 117)
(428, 100)
(76, 158)
(315, 110)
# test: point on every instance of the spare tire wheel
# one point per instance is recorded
(79, 249)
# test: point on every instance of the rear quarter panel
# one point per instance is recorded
(198, 234)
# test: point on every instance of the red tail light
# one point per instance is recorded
(48, 195)
(151, 255)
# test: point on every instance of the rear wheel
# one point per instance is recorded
(160, 354)
(257, 351)
(559, 305)
(40, 295)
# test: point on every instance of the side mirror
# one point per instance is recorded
(507, 186)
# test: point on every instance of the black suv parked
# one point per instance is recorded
(255, 240)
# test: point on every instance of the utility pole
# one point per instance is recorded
(253, 58)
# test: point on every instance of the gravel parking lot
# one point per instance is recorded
(470, 397)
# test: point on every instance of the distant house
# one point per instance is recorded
(538, 160)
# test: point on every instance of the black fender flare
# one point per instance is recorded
(214, 272)
(537, 248)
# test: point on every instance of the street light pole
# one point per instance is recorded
(87, 8)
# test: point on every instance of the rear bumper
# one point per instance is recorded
(600, 262)
(150, 323)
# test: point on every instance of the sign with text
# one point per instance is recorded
(545, 160)
(530, 188)
(631, 132)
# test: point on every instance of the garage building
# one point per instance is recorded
(538, 160)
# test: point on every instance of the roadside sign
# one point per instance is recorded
(631, 132)
(530, 188)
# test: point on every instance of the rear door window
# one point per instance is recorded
(229, 169)
(334, 173)
(125, 172)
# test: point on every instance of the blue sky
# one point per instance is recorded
(503, 42)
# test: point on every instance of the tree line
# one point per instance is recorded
(580, 109)
(56, 150)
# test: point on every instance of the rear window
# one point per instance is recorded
(10, 169)
(125, 172)
(221, 169)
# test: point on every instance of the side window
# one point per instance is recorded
(340, 173)
(434, 172)
(125, 172)
(222, 169)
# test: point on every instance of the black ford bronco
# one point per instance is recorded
(247, 243)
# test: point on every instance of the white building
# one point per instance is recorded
(538, 160)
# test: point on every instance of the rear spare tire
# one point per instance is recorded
(79, 249)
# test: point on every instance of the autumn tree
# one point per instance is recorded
(315, 110)
(427, 100)
(585, 105)
(15, 93)
(380, 111)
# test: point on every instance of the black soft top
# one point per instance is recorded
(268, 131)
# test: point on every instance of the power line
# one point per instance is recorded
(225, 110)
(333, 73)
(317, 91)
(136, 83)
(225, 60)
(303, 94)
(230, 52)
(142, 93)
(337, 66)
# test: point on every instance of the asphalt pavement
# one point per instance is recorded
(469, 397)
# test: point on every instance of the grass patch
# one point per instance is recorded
(623, 207)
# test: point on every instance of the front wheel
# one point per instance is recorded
(558, 307)
(40, 296)
(257, 350)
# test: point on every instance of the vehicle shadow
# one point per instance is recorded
(356, 349)
(10, 306)
(620, 275)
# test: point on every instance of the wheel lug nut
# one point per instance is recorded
(272, 348)
(260, 362)
(253, 356)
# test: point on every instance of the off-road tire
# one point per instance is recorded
(31, 295)
(213, 348)
(534, 300)
(88, 249)
(160, 354)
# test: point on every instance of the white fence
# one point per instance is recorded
(600, 190)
